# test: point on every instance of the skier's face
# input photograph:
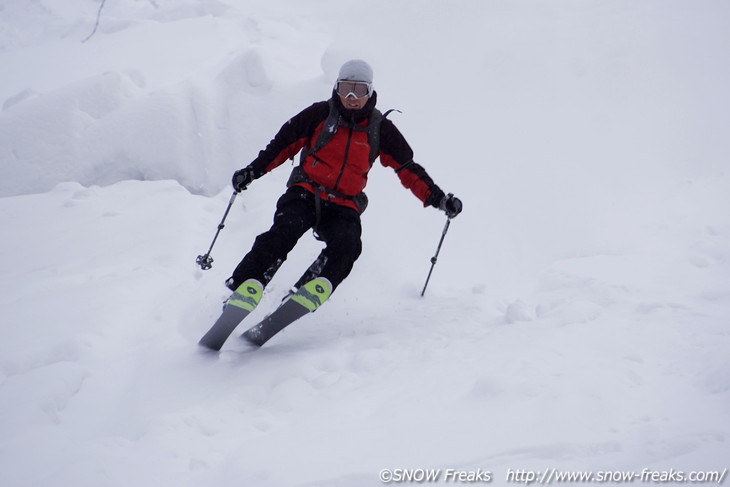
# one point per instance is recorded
(352, 103)
(353, 94)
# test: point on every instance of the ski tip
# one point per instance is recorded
(247, 295)
(251, 286)
(325, 283)
(314, 293)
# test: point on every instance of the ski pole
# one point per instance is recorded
(435, 257)
(206, 261)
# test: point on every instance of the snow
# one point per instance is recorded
(577, 317)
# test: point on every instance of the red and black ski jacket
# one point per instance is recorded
(342, 165)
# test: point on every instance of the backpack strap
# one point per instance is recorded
(374, 134)
(331, 124)
(376, 119)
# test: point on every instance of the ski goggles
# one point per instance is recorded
(358, 89)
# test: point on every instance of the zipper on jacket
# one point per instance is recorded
(344, 160)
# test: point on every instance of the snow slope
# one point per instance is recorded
(578, 315)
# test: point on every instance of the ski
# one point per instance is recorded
(306, 300)
(243, 300)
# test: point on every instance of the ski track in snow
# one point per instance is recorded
(577, 317)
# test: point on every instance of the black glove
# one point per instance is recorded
(242, 178)
(451, 205)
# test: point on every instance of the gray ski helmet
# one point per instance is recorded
(356, 70)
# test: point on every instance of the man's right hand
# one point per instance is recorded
(242, 178)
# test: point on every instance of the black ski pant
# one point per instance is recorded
(338, 227)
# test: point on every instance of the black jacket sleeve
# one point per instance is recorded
(398, 155)
(290, 139)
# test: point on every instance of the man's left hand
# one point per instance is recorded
(451, 205)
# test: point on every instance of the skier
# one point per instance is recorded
(339, 140)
